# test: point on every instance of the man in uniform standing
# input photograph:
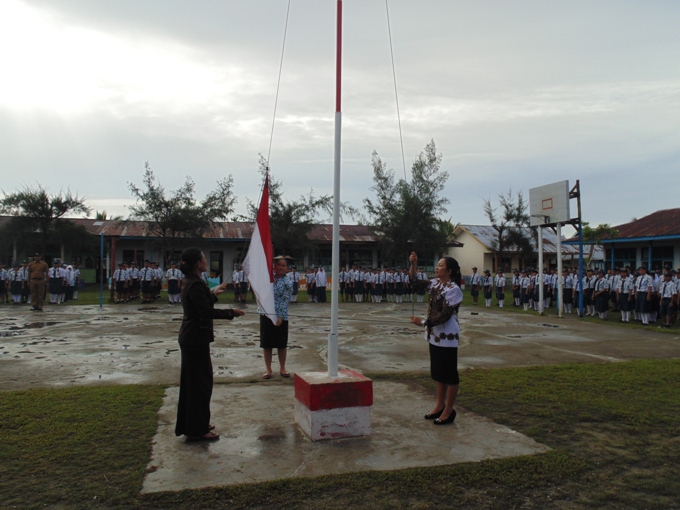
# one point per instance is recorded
(37, 273)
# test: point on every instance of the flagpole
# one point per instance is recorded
(333, 337)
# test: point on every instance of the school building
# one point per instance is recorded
(480, 243)
(652, 241)
(225, 245)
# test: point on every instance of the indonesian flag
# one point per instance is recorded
(258, 262)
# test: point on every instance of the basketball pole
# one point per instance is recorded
(540, 270)
(560, 282)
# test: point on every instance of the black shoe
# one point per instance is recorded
(448, 420)
(432, 416)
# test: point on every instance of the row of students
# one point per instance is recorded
(317, 283)
(644, 296)
(377, 284)
(14, 283)
(648, 296)
(489, 287)
(239, 279)
(131, 282)
(62, 283)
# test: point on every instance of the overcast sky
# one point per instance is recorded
(516, 94)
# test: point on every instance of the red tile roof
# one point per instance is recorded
(233, 231)
(658, 224)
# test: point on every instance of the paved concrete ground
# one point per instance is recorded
(260, 440)
(138, 344)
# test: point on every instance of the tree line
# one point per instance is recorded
(407, 213)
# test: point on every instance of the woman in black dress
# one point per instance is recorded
(195, 336)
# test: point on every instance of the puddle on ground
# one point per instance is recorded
(35, 325)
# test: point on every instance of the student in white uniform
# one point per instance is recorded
(69, 283)
(243, 296)
(310, 278)
(475, 281)
(4, 283)
(343, 280)
(146, 276)
(16, 283)
(389, 285)
(624, 294)
(26, 292)
(644, 286)
(294, 278)
(359, 278)
(601, 295)
(158, 279)
(120, 283)
(63, 269)
(321, 283)
(420, 289)
(487, 283)
(76, 280)
(134, 280)
(55, 282)
(668, 295)
(516, 287)
(499, 285)
(656, 302)
(567, 290)
(399, 282)
(174, 283)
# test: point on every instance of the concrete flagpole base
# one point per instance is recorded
(333, 407)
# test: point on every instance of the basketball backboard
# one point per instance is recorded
(549, 204)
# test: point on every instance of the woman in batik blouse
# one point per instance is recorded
(442, 333)
(274, 335)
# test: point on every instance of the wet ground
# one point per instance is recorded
(127, 344)
(138, 344)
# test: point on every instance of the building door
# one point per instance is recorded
(217, 265)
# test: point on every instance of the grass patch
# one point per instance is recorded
(75, 446)
(613, 429)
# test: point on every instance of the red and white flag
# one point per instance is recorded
(258, 262)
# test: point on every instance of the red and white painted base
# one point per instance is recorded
(333, 407)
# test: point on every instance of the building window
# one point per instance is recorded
(136, 256)
(661, 256)
(622, 257)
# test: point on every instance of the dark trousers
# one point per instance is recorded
(195, 391)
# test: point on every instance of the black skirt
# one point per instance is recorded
(271, 336)
(55, 285)
(173, 287)
(15, 287)
(195, 390)
(444, 364)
